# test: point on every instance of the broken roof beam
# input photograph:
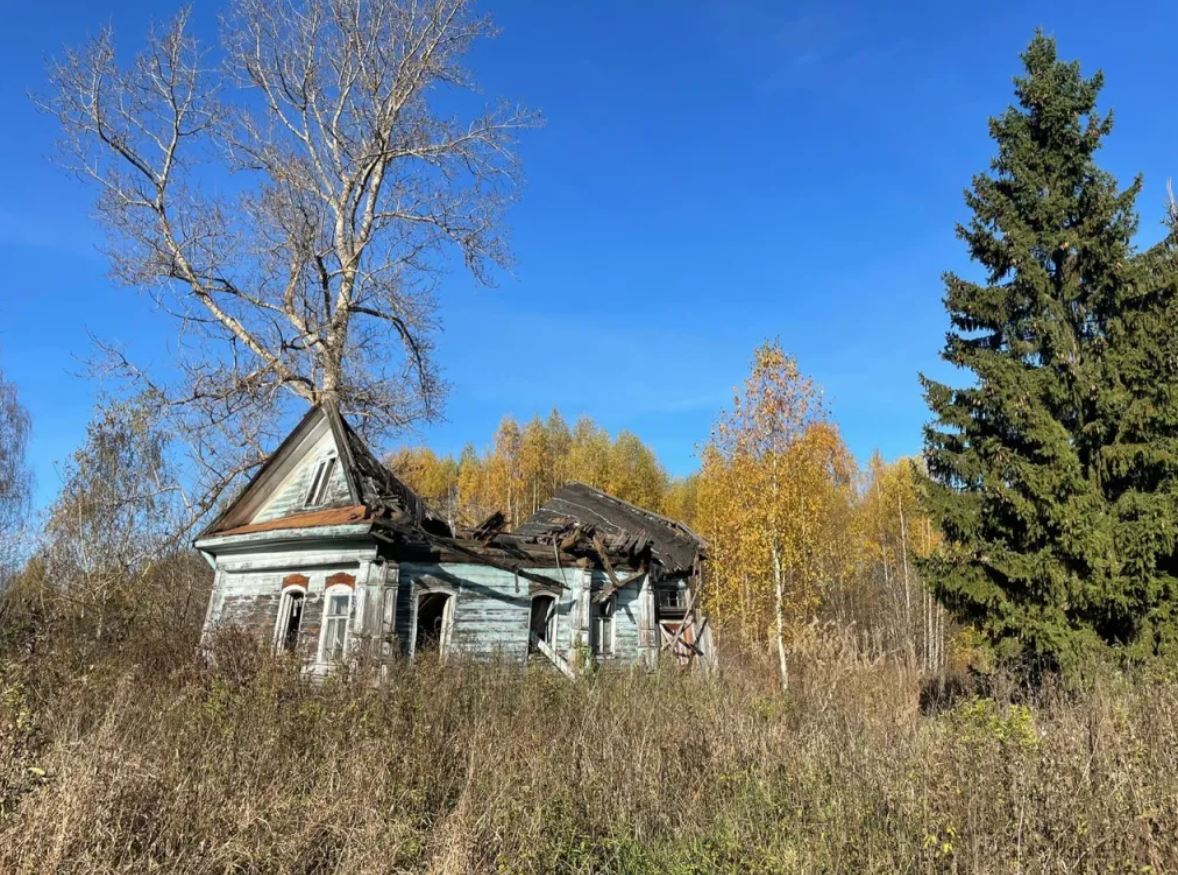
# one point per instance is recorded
(483, 556)
(614, 583)
(490, 527)
(569, 542)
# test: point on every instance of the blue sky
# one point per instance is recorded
(709, 175)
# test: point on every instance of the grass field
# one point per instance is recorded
(140, 759)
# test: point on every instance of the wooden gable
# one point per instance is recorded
(322, 470)
(309, 472)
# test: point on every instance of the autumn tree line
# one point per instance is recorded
(524, 465)
(797, 533)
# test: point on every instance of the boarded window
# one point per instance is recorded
(684, 642)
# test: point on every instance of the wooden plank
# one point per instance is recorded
(695, 648)
(556, 659)
(686, 619)
(482, 557)
(688, 615)
(615, 584)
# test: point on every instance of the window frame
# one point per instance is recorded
(663, 595)
(286, 601)
(332, 592)
(449, 614)
(550, 618)
(317, 490)
(601, 619)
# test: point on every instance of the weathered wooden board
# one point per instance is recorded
(290, 495)
(250, 600)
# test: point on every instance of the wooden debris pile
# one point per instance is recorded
(486, 531)
(576, 538)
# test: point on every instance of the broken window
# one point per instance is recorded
(335, 625)
(673, 599)
(320, 482)
(435, 611)
(290, 619)
(601, 631)
(542, 626)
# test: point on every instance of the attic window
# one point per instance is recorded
(320, 482)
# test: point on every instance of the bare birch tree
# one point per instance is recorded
(117, 513)
(15, 482)
(292, 199)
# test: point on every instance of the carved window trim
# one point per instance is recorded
(602, 628)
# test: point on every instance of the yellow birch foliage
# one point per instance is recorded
(889, 519)
(525, 466)
(502, 473)
(589, 454)
(535, 460)
(679, 500)
(475, 502)
(891, 534)
(634, 473)
(774, 498)
(431, 476)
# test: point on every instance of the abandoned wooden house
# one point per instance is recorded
(328, 556)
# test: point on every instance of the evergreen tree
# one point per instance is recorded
(1139, 462)
(1017, 460)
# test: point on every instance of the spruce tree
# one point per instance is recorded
(1017, 459)
(1138, 462)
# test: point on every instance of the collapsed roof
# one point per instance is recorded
(579, 517)
(381, 491)
(578, 522)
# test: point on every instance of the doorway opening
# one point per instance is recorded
(542, 625)
(435, 617)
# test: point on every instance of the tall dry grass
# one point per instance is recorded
(129, 764)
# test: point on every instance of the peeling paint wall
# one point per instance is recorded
(250, 602)
(247, 594)
(491, 611)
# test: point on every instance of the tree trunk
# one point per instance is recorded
(909, 632)
(779, 616)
